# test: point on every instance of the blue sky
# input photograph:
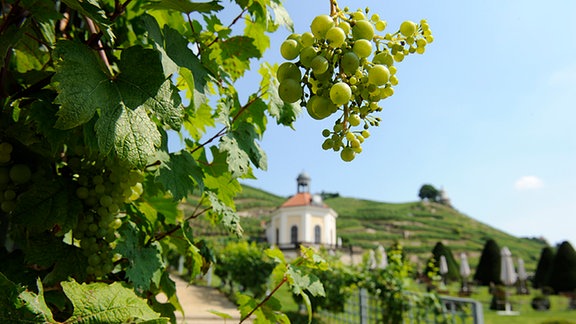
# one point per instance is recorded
(488, 113)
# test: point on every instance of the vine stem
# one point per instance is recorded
(101, 52)
(225, 129)
(195, 214)
(284, 280)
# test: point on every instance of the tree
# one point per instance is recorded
(428, 192)
(562, 276)
(89, 190)
(542, 273)
(453, 269)
(488, 269)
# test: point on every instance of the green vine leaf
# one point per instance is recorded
(18, 305)
(130, 133)
(124, 102)
(47, 204)
(102, 303)
(226, 215)
(184, 6)
(180, 174)
(145, 262)
(92, 10)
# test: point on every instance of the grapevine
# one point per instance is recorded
(344, 66)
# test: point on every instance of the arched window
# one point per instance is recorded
(317, 234)
(277, 236)
(294, 234)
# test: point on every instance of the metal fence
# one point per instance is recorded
(363, 308)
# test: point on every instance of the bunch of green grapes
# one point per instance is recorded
(343, 67)
(103, 188)
(14, 178)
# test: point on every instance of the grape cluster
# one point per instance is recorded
(14, 177)
(343, 66)
(103, 188)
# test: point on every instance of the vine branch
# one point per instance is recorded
(282, 282)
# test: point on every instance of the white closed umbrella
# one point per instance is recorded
(522, 275)
(508, 276)
(464, 273)
(443, 265)
(383, 257)
(507, 272)
(372, 260)
(464, 266)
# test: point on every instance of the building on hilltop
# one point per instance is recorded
(303, 219)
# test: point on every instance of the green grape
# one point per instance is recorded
(327, 144)
(350, 62)
(288, 70)
(320, 107)
(345, 27)
(6, 148)
(383, 58)
(307, 39)
(9, 194)
(94, 260)
(4, 175)
(340, 93)
(20, 173)
(290, 91)
(8, 206)
(408, 28)
(320, 25)
(378, 75)
(380, 25)
(399, 57)
(5, 157)
(106, 200)
(290, 49)
(363, 29)
(319, 65)
(347, 154)
(326, 132)
(362, 48)
(306, 55)
(335, 37)
(354, 120)
(358, 15)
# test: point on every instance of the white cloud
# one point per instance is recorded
(528, 183)
(564, 78)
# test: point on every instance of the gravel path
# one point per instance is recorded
(198, 301)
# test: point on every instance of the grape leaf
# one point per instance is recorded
(179, 174)
(237, 159)
(184, 6)
(92, 10)
(227, 217)
(233, 54)
(167, 207)
(177, 48)
(130, 133)
(246, 136)
(103, 303)
(145, 262)
(18, 305)
(124, 101)
(47, 203)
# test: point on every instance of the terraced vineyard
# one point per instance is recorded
(418, 226)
